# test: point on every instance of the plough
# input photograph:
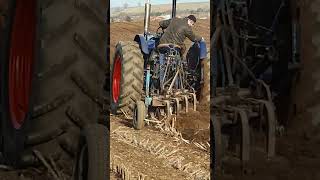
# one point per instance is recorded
(244, 70)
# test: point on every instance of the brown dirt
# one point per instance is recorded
(297, 158)
(144, 152)
(195, 125)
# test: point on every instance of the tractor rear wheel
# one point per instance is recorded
(66, 81)
(127, 77)
(19, 54)
(71, 73)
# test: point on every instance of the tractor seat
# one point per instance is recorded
(163, 48)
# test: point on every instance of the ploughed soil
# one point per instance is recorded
(154, 154)
(297, 157)
(195, 125)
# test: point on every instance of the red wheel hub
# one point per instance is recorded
(116, 77)
(22, 54)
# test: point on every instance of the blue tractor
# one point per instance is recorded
(152, 80)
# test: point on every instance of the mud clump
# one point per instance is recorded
(195, 125)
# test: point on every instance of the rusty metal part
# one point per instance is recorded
(177, 105)
(161, 112)
(217, 139)
(233, 34)
(242, 63)
(271, 124)
(168, 109)
(225, 52)
(241, 118)
(267, 88)
(271, 134)
(225, 96)
(194, 100)
(174, 80)
(153, 115)
(186, 103)
(245, 134)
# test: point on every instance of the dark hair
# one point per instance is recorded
(192, 17)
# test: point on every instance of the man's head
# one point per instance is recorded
(191, 20)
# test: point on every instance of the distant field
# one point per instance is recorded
(181, 7)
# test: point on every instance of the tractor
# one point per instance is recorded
(153, 80)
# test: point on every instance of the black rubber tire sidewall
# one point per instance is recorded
(140, 108)
(134, 63)
(96, 137)
(114, 105)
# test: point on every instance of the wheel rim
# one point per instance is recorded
(116, 77)
(21, 58)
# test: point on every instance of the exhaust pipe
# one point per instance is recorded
(147, 17)
(173, 15)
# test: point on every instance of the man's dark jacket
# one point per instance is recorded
(177, 29)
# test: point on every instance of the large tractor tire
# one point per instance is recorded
(66, 81)
(127, 77)
(93, 154)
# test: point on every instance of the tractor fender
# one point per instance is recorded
(139, 38)
(203, 49)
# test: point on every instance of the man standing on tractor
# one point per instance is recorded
(177, 29)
